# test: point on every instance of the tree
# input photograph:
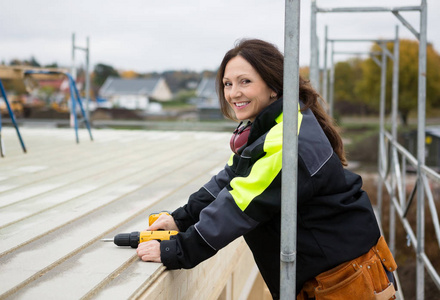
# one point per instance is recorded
(52, 65)
(433, 77)
(347, 75)
(129, 74)
(369, 86)
(101, 72)
(305, 72)
(32, 62)
(27, 62)
(15, 62)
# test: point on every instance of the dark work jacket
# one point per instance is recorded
(336, 222)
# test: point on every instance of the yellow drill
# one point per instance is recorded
(134, 238)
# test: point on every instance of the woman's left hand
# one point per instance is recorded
(149, 251)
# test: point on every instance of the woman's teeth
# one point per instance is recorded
(241, 104)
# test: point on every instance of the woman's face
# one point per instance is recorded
(245, 90)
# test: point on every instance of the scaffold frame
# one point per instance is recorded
(393, 157)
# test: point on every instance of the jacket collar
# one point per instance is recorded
(265, 120)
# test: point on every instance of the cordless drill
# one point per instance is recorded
(134, 238)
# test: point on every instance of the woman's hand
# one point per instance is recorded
(149, 251)
(164, 222)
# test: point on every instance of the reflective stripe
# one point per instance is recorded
(279, 119)
(231, 160)
(264, 171)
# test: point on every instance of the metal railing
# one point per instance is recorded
(395, 161)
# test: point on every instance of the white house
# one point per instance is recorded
(134, 93)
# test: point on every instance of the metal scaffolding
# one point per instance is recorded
(290, 151)
(393, 157)
(328, 90)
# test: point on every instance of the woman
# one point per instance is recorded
(336, 223)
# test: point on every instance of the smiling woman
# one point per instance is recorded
(254, 64)
(336, 223)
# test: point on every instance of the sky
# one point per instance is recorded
(159, 35)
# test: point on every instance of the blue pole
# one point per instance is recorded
(72, 97)
(1, 139)
(11, 113)
(81, 106)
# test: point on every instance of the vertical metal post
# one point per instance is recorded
(332, 80)
(2, 146)
(383, 83)
(383, 80)
(87, 79)
(73, 68)
(421, 98)
(73, 106)
(73, 73)
(318, 69)
(325, 75)
(290, 151)
(2, 153)
(394, 110)
(381, 156)
(314, 68)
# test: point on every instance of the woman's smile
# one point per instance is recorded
(241, 104)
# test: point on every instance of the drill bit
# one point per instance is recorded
(107, 240)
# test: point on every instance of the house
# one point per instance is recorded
(207, 101)
(206, 94)
(134, 93)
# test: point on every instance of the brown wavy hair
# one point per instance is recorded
(268, 61)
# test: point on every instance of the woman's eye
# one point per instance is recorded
(227, 84)
(245, 81)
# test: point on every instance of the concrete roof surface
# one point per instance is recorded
(58, 200)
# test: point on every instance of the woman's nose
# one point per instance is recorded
(235, 91)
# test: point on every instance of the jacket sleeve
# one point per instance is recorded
(188, 214)
(251, 197)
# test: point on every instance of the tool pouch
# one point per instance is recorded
(385, 255)
(363, 278)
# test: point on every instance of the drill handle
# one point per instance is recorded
(159, 235)
(154, 216)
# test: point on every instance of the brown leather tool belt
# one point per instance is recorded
(363, 278)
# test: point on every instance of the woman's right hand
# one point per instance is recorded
(164, 222)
